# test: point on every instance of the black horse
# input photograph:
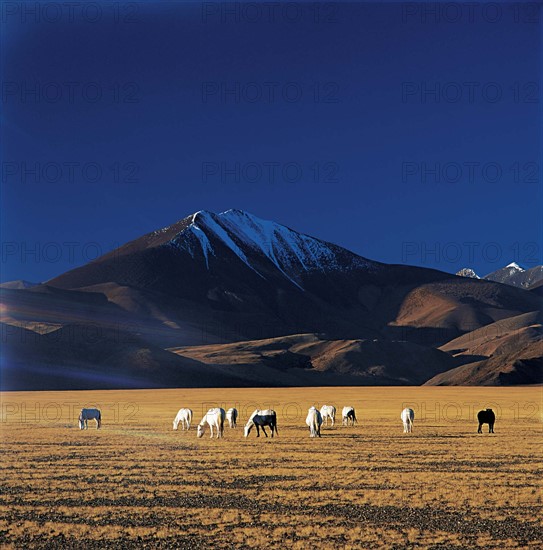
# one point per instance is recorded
(261, 419)
(486, 417)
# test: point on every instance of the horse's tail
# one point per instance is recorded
(99, 419)
(275, 424)
(354, 417)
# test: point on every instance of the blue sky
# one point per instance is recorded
(401, 134)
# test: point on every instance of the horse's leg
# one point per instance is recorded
(257, 430)
(264, 430)
(480, 428)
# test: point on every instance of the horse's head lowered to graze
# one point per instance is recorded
(89, 414)
(214, 418)
(184, 416)
(267, 417)
(232, 417)
(486, 417)
(348, 415)
(314, 422)
(328, 412)
(408, 417)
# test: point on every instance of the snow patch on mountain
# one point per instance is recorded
(468, 272)
(204, 243)
(514, 265)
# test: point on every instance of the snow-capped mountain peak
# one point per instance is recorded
(251, 238)
(515, 275)
(468, 272)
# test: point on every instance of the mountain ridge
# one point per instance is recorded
(217, 279)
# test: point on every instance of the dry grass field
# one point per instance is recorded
(138, 484)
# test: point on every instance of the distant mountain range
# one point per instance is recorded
(19, 284)
(189, 296)
(512, 274)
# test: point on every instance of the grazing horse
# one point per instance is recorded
(314, 421)
(185, 417)
(89, 414)
(232, 417)
(214, 418)
(260, 419)
(486, 417)
(328, 412)
(407, 416)
(348, 414)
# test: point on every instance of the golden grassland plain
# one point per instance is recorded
(137, 483)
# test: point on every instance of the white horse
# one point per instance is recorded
(407, 416)
(232, 417)
(214, 418)
(314, 421)
(328, 411)
(347, 415)
(89, 414)
(185, 417)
